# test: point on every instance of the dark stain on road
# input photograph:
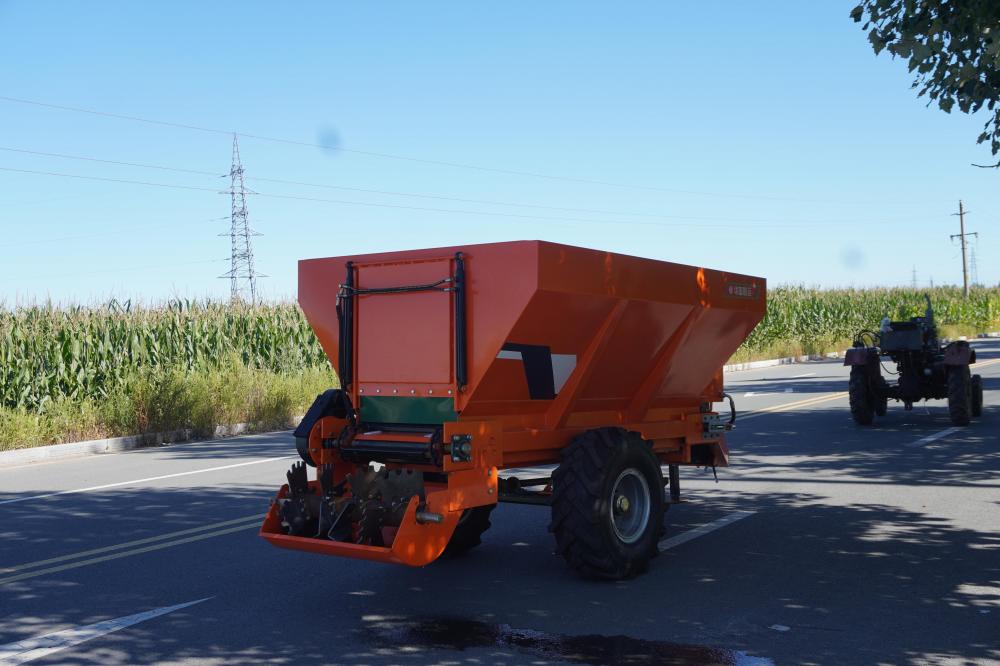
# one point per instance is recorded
(463, 634)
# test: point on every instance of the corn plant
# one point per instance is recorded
(87, 352)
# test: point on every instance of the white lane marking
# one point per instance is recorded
(933, 438)
(684, 537)
(808, 374)
(31, 649)
(148, 478)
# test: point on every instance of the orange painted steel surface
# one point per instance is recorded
(633, 342)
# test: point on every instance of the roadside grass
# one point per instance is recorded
(171, 400)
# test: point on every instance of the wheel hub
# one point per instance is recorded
(630, 505)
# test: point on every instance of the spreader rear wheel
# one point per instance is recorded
(607, 504)
(470, 528)
(977, 396)
(859, 393)
(959, 395)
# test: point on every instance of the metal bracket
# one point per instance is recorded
(713, 425)
(461, 448)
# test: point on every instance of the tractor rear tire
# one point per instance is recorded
(860, 395)
(608, 504)
(470, 528)
(959, 395)
(882, 400)
(977, 396)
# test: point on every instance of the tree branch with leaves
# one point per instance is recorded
(952, 47)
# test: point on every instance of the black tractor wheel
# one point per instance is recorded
(607, 504)
(859, 392)
(977, 396)
(959, 395)
(470, 528)
(882, 399)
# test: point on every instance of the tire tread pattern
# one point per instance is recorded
(959, 395)
(469, 531)
(577, 486)
(860, 397)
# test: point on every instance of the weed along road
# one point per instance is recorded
(824, 542)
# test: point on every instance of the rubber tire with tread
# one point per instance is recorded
(977, 396)
(470, 528)
(581, 506)
(959, 395)
(882, 402)
(859, 393)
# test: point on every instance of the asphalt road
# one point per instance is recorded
(823, 543)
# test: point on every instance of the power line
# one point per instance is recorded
(214, 190)
(110, 232)
(418, 195)
(439, 197)
(458, 165)
(131, 269)
(699, 222)
(103, 161)
(385, 205)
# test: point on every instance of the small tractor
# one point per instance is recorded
(925, 370)
(458, 363)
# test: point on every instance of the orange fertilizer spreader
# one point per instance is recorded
(456, 363)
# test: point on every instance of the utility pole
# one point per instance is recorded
(241, 274)
(961, 235)
(914, 282)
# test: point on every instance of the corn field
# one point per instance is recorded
(87, 352)
(79, 353)
(817, 319)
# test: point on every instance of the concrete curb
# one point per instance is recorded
(111, 445)
(753, 365)
(787, 360)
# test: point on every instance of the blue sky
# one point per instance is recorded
(765, 138)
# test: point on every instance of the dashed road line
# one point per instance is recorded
(684, 537)
(145, 480)
(933, 438)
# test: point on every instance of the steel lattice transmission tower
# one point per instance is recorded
(242, 275)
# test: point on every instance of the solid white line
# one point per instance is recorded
(808, 374)
(933, 438)
(31, 649)
(135, 481)
(684, 537)
(129, 544)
